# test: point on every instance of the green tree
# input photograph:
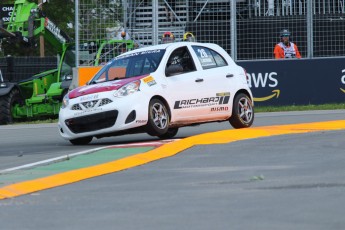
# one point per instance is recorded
(61, 12)
(98, 15)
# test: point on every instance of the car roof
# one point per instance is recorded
(173, 45)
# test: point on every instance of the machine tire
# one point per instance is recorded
(158, 118)
(6, 104)
(81, 141)
(242, 112)
(169, 134)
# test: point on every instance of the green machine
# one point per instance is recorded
(40, 95)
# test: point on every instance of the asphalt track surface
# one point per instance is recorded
(280, 182)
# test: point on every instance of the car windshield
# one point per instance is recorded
(130, 65)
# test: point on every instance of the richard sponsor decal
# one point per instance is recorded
(219, 99)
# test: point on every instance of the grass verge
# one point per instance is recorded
(261, 109)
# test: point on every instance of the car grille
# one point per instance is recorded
(91, 104)
(92, 122)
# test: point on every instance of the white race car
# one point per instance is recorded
(156, 90)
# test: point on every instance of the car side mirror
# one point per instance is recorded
(173, 70)
(67, 77)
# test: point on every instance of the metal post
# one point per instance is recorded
(76, 28)
(41, 36)
(310, 48)
(125, 5)
(233, 29)
(202, 8)
(154, 22)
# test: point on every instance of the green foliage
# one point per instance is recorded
(19, 49)
(49, 120)
(97, 15)
(61, 12)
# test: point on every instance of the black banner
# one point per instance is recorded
(297, 82)
(6, 12)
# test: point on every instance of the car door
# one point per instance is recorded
(218, 79)
(185, 90)
(183, 87)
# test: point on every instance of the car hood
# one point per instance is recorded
(102, 87)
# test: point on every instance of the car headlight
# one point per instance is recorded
(65, 101)
(127, 89)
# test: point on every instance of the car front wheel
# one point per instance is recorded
(242, 112)
(158, 118)
(169, 134)
(81, 141)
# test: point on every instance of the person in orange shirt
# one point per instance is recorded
(285, 48)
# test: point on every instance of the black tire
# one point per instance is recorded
(7, 102)
(81, 141)
(242, 112)
(169, 134)
(158, 118)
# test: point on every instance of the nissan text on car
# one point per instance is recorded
(157, 90)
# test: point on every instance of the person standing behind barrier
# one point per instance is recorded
(285, 48)
(168, 37)
(188, 37)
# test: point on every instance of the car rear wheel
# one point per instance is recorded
(81, 141)
(169, 134)
(158, 118)
(242, 112)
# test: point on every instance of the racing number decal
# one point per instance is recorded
(202, 53)
(205, 57)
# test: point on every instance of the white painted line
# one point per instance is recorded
(68, 156)
(50, 161)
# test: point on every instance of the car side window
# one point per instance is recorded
(219, 59)
(209, 58)
(182, 60)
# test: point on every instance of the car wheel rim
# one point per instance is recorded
(245, 110)
(160, 117)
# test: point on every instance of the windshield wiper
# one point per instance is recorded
(116, 78)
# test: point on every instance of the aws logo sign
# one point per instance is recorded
(343, 80)
(265, 80)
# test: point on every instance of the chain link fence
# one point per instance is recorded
(16, 69)
(247, 29)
